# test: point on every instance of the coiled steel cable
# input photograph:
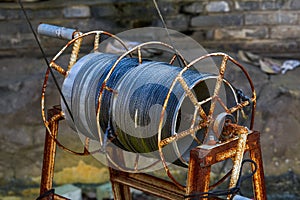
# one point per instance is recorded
(134, 111)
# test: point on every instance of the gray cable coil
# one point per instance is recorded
(137, 109)
(134, 113)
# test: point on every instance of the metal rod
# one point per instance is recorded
(56, 31)
(238, 158)
(203, 157)
(147, 183)
(49, 153)
(258, 178)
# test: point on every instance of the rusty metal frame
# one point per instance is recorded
(206, 119)
(49, 156)
(202, 157)
(201, 160)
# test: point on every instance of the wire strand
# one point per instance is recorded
(45, 58)
(167, 30)
(231, 191)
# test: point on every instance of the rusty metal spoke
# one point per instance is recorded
(222, 104)
(136, 162)
(193, 125)
(218, 85)
(86, 145)
(192, 97)
(58, 68)
(97, 41)
(139, 54)
(241, 105)
(75, 51)
(173, 59)
(182, 134)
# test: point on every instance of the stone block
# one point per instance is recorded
(69, 191)
(8, 14)
(271, 18)
(194, 8)
(103, 11)
(104, 191)
(217, 6)
(272, 5)
(259, 5)
(294, 4)
(286, 18)
(199, 35)
(44, 13)
(258, 19)
(246, 5)
(179, 22)
(285, 32)
(130, 11)
(243, 33)
(80, 11)
(168, 8)
(217, 20)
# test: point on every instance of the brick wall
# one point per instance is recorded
(263, 26)
(269, 27)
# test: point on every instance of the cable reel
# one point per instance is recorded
(151, 111)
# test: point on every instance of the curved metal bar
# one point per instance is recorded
(253, 99)
(135, 170)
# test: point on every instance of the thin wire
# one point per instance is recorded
(45, 58)
(167, 30)
(231, 191)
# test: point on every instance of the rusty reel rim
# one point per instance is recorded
(137, 48)
(204, 124)
(60, 70)
(236, 63)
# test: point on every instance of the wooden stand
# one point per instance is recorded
(201, 160)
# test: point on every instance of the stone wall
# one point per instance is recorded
(269, 27)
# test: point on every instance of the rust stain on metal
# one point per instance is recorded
(75, 50)
(49, 153)
(199, 166)
(218, 84)
(96, 42)
(238, 157)
(58, 68)
(225, 155)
